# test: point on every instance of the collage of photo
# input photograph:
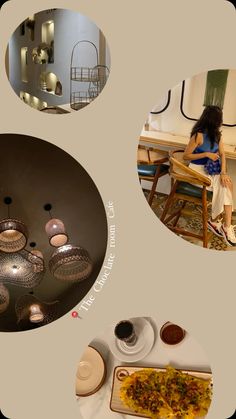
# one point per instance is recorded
(58, 230)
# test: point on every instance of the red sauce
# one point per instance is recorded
(172, 334)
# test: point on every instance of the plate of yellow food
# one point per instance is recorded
(161, 393)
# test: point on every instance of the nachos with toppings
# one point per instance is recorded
(166, 394)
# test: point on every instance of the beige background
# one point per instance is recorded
(154, 45)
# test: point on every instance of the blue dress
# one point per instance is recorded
(203, 148)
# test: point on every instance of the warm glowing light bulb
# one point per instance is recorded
(36, 314)
(55, 230)
(9, 233)
(15, 269)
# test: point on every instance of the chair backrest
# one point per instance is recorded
(179, 170)
(150, 155)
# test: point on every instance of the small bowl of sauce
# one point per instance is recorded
(172, 334)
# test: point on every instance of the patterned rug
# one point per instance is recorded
(190, 220)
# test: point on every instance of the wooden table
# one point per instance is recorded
(167, 139)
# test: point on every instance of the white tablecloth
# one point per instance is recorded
(186, 355)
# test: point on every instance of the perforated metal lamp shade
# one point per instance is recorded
(37, 253)
(70, 263)
(30, 308)
(23, 269)
(4, 298)
(56, 232)
(13, 235)
(36, 315)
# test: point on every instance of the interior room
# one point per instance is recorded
(162, 165)
(53, 233)
(57, 61)
(132, 356)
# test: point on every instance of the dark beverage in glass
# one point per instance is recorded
(125, 331)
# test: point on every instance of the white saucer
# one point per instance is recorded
(90, 373)
(142, 347)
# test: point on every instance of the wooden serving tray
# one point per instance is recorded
(116, 404)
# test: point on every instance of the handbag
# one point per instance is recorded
(213, 167)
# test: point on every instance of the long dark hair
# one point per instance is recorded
(210, 121)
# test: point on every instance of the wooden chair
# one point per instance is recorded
(151, 167)
(188, 186)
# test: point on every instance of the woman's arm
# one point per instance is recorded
(192, 145)
(222, 156)
(225, 179)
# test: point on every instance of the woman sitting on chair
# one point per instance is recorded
(206, 153)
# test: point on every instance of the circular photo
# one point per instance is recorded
(143, 367)
(53, 233)
(58, 61)
(186, 159)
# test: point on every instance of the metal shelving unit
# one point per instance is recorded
(86, 82)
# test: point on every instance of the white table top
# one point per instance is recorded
(187, 355)
(169, 139)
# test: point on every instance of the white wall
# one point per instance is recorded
(69, 28)
(172, 120)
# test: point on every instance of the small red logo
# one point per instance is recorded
(75, 315)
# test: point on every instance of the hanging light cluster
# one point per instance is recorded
(18, 266)
(24, 268)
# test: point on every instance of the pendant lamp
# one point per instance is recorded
(35, 252)
(36, 315)
(70, 263)
(30, 308)
(55, 230)
(4, 298)
(13, 233)
(23, 268)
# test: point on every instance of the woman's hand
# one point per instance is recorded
(212, 156)
(225, 180)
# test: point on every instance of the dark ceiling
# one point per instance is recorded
(34, 172)
(233, 2)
